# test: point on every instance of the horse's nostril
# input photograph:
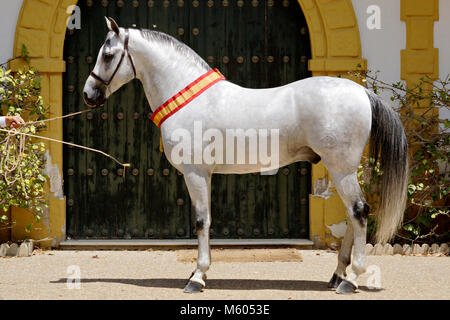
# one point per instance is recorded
(87, 101)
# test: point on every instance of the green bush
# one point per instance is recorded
(22, 158)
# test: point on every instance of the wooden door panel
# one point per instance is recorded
(256, 44)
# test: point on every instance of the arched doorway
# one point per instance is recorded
(256, 44)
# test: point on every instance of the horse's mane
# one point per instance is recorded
(167, 40)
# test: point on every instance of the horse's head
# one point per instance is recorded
(113, 69)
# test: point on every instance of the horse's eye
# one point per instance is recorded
(108, 57)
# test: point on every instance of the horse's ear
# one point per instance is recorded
(112, 25)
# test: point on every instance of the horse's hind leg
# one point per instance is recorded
(344, 257)
(198, 182)
(357, 212)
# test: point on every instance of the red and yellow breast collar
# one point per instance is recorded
(182, 98)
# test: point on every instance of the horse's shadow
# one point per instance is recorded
(223, 284)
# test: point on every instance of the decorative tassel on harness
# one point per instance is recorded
(161, 147)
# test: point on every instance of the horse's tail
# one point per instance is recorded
(389, 144)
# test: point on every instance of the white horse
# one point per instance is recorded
(319, 118)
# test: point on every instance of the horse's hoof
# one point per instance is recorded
(193, 287)
(335, 281)
(346, 287)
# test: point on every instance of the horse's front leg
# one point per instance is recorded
(198, 182)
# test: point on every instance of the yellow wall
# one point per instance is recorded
(336, 49)
(419, 58)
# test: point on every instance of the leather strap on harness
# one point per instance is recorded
(125, 52)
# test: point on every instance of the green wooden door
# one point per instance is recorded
(256, 44)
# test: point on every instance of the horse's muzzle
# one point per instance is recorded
(97, 100)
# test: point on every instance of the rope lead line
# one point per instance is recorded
(57, 118)
(14, 132)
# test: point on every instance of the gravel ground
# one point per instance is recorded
(160, 275)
